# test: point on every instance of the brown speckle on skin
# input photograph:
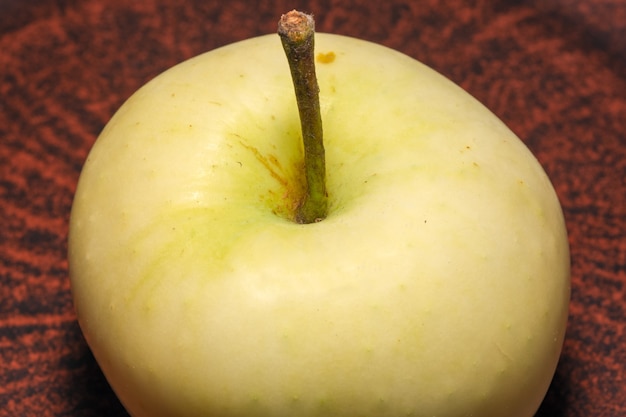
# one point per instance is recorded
(325, 58)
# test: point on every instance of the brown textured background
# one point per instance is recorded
(554, 71)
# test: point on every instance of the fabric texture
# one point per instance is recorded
(554, 71)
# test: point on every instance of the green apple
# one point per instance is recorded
(437, 285)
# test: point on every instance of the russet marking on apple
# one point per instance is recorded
(284, 203)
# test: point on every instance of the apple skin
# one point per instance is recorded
(438, 285)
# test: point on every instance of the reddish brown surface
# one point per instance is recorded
(556, 74)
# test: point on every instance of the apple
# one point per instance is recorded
(437, 284)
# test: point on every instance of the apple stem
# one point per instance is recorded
(297, 33)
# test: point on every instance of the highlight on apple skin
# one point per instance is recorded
(437, 285)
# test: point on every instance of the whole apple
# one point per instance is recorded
(437, 285)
